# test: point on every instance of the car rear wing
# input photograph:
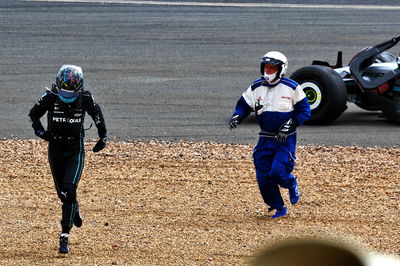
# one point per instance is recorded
(339, 62)
(366, 58)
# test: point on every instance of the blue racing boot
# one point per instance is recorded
(294, 193)
(279, 213)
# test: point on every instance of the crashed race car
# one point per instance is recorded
(371, 81)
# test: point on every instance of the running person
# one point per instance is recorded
(280, 106)
(66, 104)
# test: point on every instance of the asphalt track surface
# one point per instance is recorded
(175, 72)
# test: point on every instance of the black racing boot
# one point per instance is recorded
(78, 219)
(63, 244)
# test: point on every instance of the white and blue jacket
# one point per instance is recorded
(281, 102)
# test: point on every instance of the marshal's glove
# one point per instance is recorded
(46, 135)
(101, 144)
(258, 106)
(235, 121)
(286, 129)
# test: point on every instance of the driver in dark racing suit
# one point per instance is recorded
(66, 105)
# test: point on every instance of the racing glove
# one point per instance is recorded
(285, 130)
(235, 121)
(101, 144)
(258, 106)
(46, 135)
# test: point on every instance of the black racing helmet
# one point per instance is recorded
(70, 78)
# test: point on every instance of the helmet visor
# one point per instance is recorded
(270, 69)
(271, 61)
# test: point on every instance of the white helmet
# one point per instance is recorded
(277, 59)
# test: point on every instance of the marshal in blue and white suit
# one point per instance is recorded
(280, 106)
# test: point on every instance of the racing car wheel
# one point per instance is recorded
(325, 91)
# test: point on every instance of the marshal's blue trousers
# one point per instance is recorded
(274, 163)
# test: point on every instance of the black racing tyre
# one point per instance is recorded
(325, 91)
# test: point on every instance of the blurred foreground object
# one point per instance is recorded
(317, 252)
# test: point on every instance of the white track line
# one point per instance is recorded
(211, 4)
